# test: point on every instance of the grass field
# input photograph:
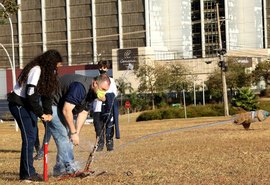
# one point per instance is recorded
(159, 152)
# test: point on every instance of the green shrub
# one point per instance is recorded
(168, 113)
(245, 99)
(149, 115)
(208, 110)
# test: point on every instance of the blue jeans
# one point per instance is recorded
(27, 122)
(65, 158)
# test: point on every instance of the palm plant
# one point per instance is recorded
(123, 86)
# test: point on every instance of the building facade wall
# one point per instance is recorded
(245, 24)
(205, 27)
(85, 31)
(106, 25)
(81, 31)
(170, 29)
(32, 28)
(133, 16)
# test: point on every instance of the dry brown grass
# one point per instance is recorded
(221, 154)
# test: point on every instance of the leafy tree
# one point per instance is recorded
(137, 101)
(214, 85)
(162, 78)
(245, 99)
(178, 78)
(262, 72)
(11, 8)
(147, 77)
(236, 77)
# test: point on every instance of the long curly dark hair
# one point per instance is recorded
(48, 81)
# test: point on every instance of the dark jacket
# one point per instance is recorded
(36, 103)
(109, 110)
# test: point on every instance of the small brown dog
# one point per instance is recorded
(247, 118)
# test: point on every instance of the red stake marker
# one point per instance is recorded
(45, 162)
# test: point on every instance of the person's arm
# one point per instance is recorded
(33, 100)
(32, 95)
(47, 104)
(81, 118)
(74, 97)
(67, 112)
(47, 108)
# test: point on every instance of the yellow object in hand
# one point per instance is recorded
(101, 94)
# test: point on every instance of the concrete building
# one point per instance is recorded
(85, 31)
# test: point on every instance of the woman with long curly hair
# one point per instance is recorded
(30, 100)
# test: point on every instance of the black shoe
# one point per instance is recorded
(33, 178)
(99, 148)
(39, 156)
(109, 145)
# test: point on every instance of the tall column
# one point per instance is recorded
(120, 25)
(202, 27)
(147, 22)
(264, 8)
(94, 32)
(68, 33)
(20, 35)
(227, 18)
(44, 27)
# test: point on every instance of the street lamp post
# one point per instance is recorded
(12, 65)
(9, 59)
(223, 67)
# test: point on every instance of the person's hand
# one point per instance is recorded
(101, 95)
(74, 137)
(46, 117)
(102, 98)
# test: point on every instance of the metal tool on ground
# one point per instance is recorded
(86, 172)
(91, 156)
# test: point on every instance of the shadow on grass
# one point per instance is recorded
(10, 151)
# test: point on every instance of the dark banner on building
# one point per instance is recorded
(126, 58)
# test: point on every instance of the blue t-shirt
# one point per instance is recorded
(76, 93)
